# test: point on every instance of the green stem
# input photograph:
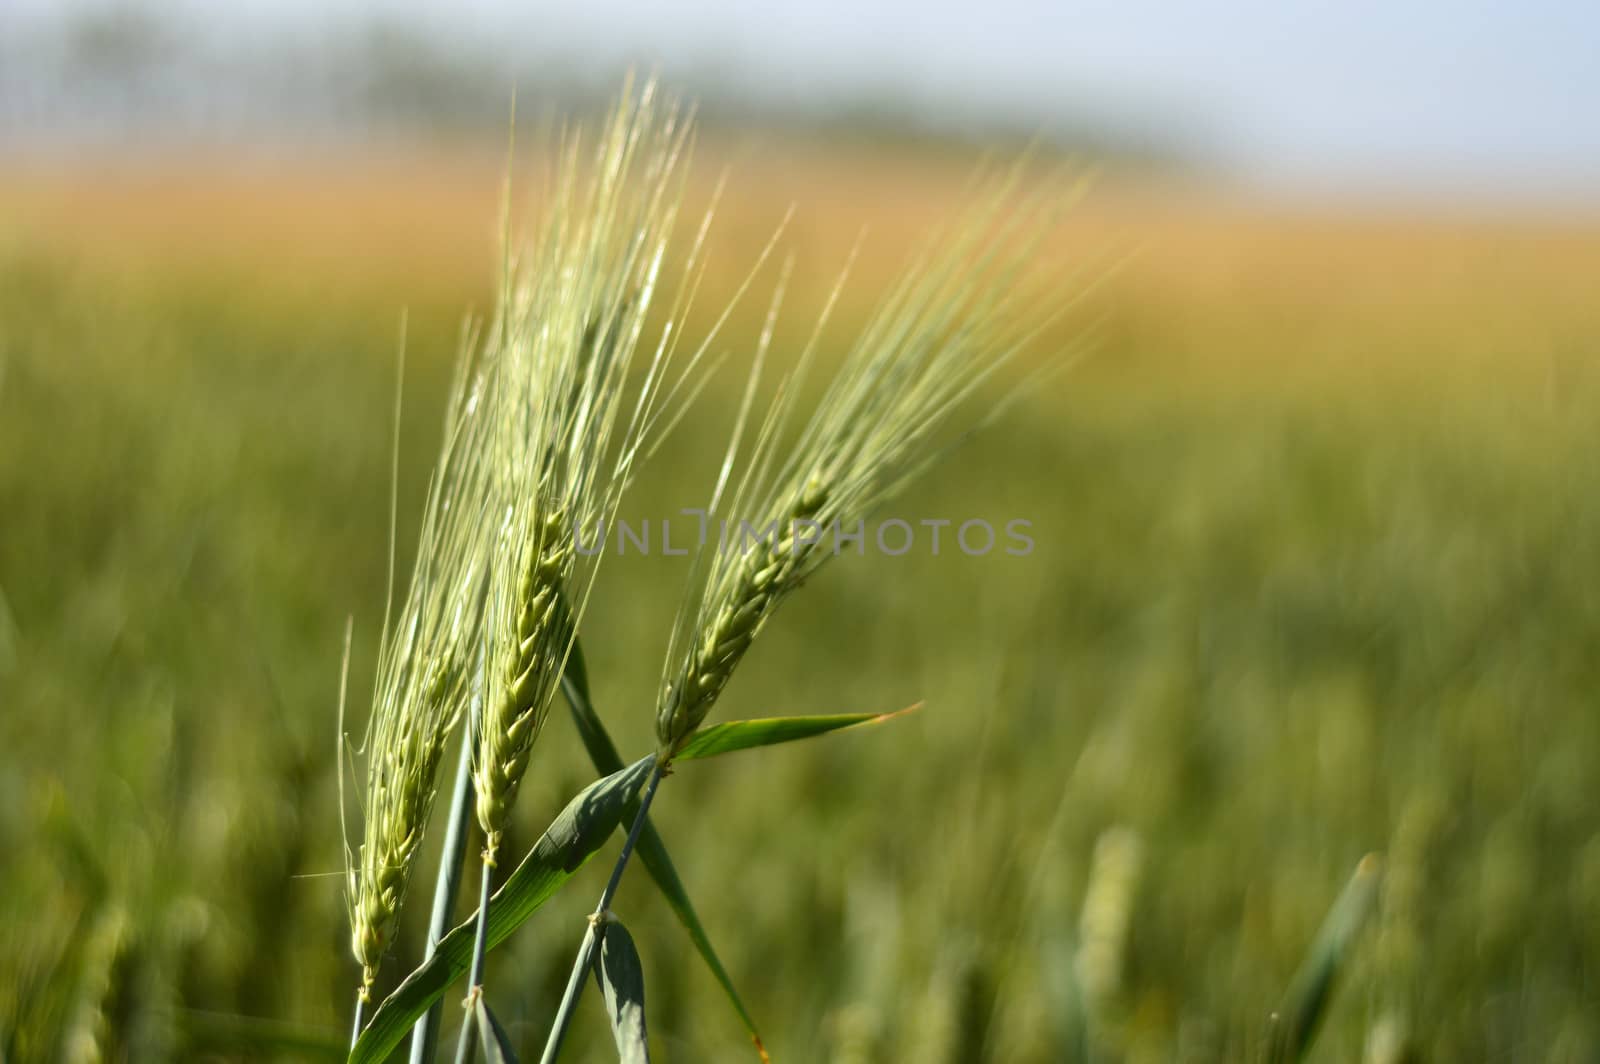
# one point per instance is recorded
(585, 959)
(425, 1037)
(480, 943)
(361, 1008)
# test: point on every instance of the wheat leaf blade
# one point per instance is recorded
(652, 850)
(603, 753)
(736, 735)
(1295, 1028)
(572, 838)
(620, 974)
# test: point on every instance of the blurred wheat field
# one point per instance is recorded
(1317, 574)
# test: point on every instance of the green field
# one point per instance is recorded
(1317, 575)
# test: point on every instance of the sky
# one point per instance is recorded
(1459, 97)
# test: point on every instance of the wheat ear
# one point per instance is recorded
(969, 304)
(421, 681)
(568, 423)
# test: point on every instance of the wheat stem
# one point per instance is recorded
(361, 1007)
(585, 960)
(425, 1036)
(480, 943)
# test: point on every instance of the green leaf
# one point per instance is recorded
(596, 740)
(746, 734)
(649, 847)
(496, 1044)
(569, 841)
(621, 977)
(1294, 1028)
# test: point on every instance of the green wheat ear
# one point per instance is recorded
(421, 686)
(576, 394)
(964, 309)
(540, 629)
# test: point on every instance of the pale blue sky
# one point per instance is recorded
(1466, 97)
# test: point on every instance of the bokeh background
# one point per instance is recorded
(1318, 523)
